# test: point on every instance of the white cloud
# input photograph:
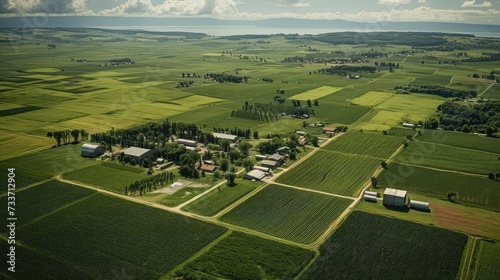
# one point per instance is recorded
(43, 6)
(472, 4)
(422, 1)
(393, 2)
(293, 3)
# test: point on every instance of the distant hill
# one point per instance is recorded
(104, 21)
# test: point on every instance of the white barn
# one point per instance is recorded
(138, 153)
(255, 175)
(394, 197)
(233, 138)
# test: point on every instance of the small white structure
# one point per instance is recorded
(370, 198)
(255, 175)
(262, 168)
(375, 194)
(394, 197)
(233, 138)
(420, 205)
(408, 125)
(160, 160)
(301, 133)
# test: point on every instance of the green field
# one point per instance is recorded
(102, 236)
(104, 177)
(472, 190)
(316, 93)
(462, 140)
(449, 158)
(332, 172)
(221, 197)
(288, 213)
(366, 143)
(243, 256)
(487, 266)
(372, 98)
(386, 246)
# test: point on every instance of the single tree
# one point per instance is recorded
(315, 141)
(231, 177)
(374, 182)
(256, 135)
(384, 164)
(224, 165)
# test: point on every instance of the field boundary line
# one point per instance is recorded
(314, 191)
(304, 269)
(29, 186)
(484, 91)
(197, 254)
(455, 147)
(443, 170)
(238, 202)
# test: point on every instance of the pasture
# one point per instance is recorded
(472, 190)
(449, 158)
(288, 213)
(316, 93)
(332, 172)
(243, 256)
(383, 245)
(366, 143)
(84, 234)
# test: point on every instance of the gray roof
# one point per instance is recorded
(269, 162)
(225, 136)
(89, 147)
(394, 192)
(135, 151)
(255, 174)
(276, 157)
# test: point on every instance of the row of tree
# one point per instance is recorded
(65, 136)
(149, 183)
(437, 90)
(344, 70)
(224, 78)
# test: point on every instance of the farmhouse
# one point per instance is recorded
(187, 143)
(233, 138)
(394, 197)
(138, 153)
(255, 175)
(89, 150)
(269, 164)
(329, 130)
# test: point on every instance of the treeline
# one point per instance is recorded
(267, 80)
(270, 112)
(387, 64)
(149, 183)
(481, 118)
(224, 78)
(343, 70)
(488, 57)
(65, 136)
(415, 39)
(438, 90)
(184, 84)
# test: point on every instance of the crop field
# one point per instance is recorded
(243, 256)
(104, 177)
(442, 80)
(380, 120)
(493, 92)
(366, 143)
(24, 176)
(340, 114)
(401, 131)
(449, 158)
(386, 246)
(288, 213)
(462, 140)
(487, 267)
(114, 239)
(220, 198)
(472, 190)
(417, 107)
(332, 172)
(316, 93)
(372, 98)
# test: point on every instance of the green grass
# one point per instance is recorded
(449, 158)
(213, 202)
(104, 177)
(103, 236)
(487, 266)
(462, 140)
(332, 172)
(372, 98)
(472, 190)
(432, 80)
(24, 176)
(366, 143)
(386, 246)
(288, 213)
(316, 93)
(175, 199)
(243, 256)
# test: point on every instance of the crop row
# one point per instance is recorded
(366, 143)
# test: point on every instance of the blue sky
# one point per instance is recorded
(484, 12)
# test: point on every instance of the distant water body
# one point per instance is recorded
(243, 30)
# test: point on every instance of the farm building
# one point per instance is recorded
(370, 198)
(269, 163)
(301, 133)
(375, 194)
(233, 138)
(209, 162)
(276, 157)
(393, 197)
(261, 168)
(208, 168)
(160, 160)
(283, 150)
(419, 205)
(89, 150)
(260, 157)
(329, 130)
(255, 175)
(187, 143)
(138, 153)
(302, 141)
(409, 125)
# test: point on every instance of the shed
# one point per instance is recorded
(408, 125)
(89, 150)
(276, 157)
(301, 133)
(394, 197)
(186, 142)
(260, 157)
(208, 168)
(138, 153)
(420, 205)
(255, 175)
(375, 194)
(269, 164)
(370, 198)
(233, 138)
(283, 150)
(262, 168)
(329, 130)
(160, 160)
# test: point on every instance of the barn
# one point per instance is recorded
(283, 150)
(394, 197)
(260, 157)
(187, 143)
(89, 150)
(255, 175)
(269, 164)
(276, 157)
(329, 130)
(420, 205)
(232, 138)
(138, 153)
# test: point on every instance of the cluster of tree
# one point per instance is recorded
(271, 146)
(235, 131)
(184, 84)
(491, 76)
(387, 64)
(373, 54)
(65, 136)
(121, 60)
(149, 183)
(343, 70)
(482, 118)
(438, 90)
(270, 112)
(188, 163)
(189, 75)
(246, 36)
(487, 57)
(224, 78)
(267, 80)
(342, 128)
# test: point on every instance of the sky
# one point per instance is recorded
(481, 12)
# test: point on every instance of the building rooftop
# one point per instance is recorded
(135, 151)
(395, 192)
(225, 136)
(257, 174)
(276, 157)
(269, 162)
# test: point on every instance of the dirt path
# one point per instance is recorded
(484, 91)
(314, 191)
